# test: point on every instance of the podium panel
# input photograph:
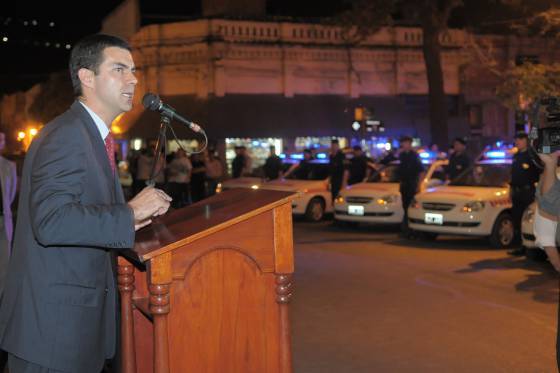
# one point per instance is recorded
(207, 288)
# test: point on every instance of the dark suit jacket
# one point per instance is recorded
(59, 305)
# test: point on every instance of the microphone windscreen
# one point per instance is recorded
(151, 101)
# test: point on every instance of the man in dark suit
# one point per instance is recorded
(59, 307)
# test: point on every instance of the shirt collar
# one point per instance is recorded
(101, 126)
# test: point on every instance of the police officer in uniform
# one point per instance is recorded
(524, 176)
(459, 160)
(358, 168)
(409, 171)
(336, 168)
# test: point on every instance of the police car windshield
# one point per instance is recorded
(484, 175)
(388, 174)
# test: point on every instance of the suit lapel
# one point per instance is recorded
(3, 174)
(97, 141)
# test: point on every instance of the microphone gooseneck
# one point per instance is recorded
(152, 102)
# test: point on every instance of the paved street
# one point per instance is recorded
(368, 301)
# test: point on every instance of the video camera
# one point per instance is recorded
(545, 136)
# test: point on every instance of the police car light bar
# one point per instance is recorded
(282, 156)
(296, 156)
(495, 154)
(321, 156)
(426, 155)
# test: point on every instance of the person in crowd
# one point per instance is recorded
(59, 308)
(388, 157)
(238, 163)
(302, 169)
(247, 169)
(336, 168)
(198, 177)
(459, 160)
(273, 165)
(409, 173)
(546, 220)
(178, 179)
(8, 185)
(214, 171)
(525, 175)
(142, 170)
(359, 167)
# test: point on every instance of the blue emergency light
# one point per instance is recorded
(496, 154)
(321, 156)
(427, 155)
(296, 156)
(282, 156)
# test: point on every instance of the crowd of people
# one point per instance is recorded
(186, 178)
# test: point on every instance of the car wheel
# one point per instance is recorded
(503, 232)
(315, 210)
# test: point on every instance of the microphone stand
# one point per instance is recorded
(164, 122)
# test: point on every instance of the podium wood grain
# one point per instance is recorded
(211, 288)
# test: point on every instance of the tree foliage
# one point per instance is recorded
(524, 85)
(366, 17)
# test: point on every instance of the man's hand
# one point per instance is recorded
(553, 257)
(150, 202)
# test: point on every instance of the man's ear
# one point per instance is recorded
(86, 77)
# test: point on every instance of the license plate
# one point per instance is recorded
(433, 218)
(356, 210)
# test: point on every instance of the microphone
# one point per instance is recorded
(153, 102)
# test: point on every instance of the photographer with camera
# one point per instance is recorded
(546, 216)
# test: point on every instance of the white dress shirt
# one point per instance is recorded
(101, 126)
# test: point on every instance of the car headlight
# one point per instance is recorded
(473, 206)
(385, 200)
(219, 188)
(254, 186)
(414, 204)
(339, 199)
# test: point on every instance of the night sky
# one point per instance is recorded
(38, 32)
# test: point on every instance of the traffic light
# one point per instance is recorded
(359, 114)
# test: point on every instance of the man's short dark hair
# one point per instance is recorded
(334, 141)
(405, 139)
(88, 54)
(357, 147)
(520, 135)
(460, 140)
(308, 151)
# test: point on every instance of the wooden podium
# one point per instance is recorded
(206, 288)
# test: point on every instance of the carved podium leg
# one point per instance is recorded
(283, 295)
(159, 308)
(125, 281)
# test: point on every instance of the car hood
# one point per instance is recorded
(463, 194)
(290, 185)
(242, 182)
(370, 189)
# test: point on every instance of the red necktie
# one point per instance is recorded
(110, 148)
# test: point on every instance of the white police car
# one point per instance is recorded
(379, 200)
(314, 198)
(240, 182)
(476, 203)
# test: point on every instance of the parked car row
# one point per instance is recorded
(477, 203)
